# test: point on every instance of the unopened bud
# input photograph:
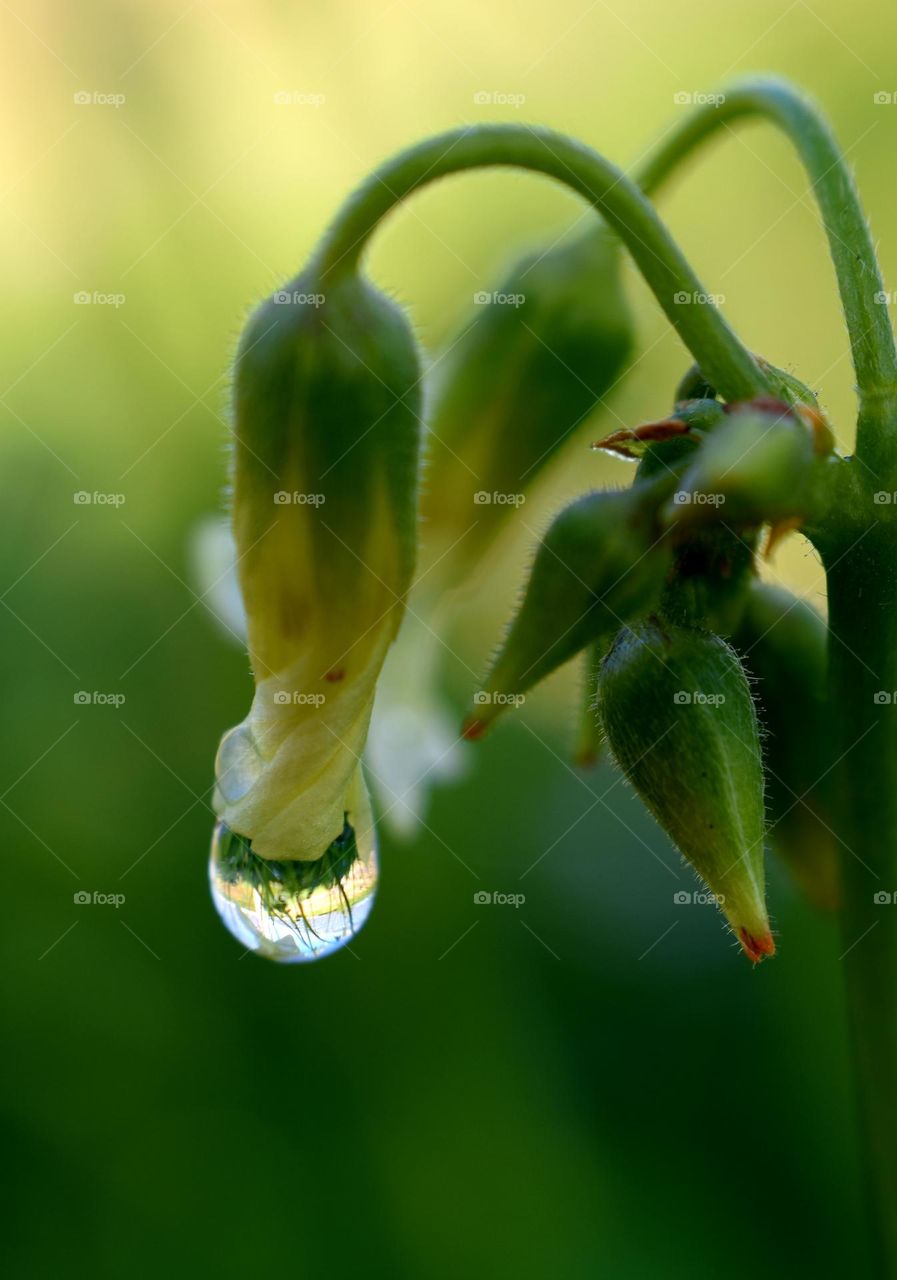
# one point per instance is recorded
(539, 354)
(679, 718)
(600, 563)
(756, 467)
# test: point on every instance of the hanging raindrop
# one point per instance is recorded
(292, 911)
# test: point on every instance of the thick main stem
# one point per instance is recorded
(850, 242)
(678, 290)
(862, 587)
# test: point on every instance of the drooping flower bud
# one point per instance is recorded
(678, 716)
(535, 359)
(601, 562)
(783, 643)
(324, 512)
(758, 466)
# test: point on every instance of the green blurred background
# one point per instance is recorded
(594, 1084)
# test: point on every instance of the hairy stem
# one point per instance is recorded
(863, 621)
(700, 325)
(850, 242)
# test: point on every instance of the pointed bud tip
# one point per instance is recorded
(473, 729)
(756, 946)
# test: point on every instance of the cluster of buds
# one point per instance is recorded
(692, 681)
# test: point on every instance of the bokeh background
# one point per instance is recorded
(593, 1084)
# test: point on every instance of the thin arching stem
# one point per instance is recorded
(699, 323)
(850, 242)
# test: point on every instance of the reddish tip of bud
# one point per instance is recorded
(473, 729)
(630, 441)
(756, 947)
(586, 759)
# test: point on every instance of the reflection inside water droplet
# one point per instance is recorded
(294, 911)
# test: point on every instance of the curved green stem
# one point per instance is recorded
(853, 253)
(701, 326)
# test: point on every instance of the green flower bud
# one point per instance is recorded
(538, 356)
(600, 563)
(324, 512)
(783, 643)
(678, 716)
(758, 466)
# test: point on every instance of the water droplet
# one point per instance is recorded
(238, 764)
(293, 911)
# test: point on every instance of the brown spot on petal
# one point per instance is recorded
(334, 677)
